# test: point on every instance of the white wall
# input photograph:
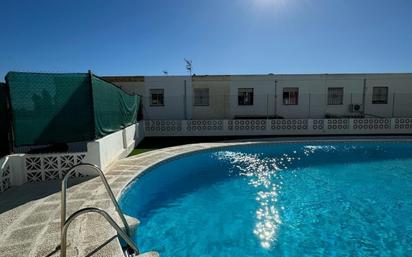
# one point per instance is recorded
(313, 91)
(139, 133)
(17, 169)
(218, 107)
(311, 99)
(277, 127)
(313, 95)
(312, 102)
(264, 91)
(352, 93)
(176, 106)
(399, 98)
(105, 151)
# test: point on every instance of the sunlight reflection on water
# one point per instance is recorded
(263, 173)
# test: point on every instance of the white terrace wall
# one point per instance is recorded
(278, 127)
(18, 169)
(105, 151)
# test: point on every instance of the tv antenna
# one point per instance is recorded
(189, 66)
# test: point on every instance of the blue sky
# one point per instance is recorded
(220, 36)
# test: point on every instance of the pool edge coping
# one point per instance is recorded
(233, 143)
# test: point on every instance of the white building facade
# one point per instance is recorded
(317, 96)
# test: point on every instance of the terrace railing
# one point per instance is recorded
(275, 127)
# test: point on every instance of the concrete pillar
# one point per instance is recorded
(18, 175)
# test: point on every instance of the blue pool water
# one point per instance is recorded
(329, 199)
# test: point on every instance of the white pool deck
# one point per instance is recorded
(30, 214)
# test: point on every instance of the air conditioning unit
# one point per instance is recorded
(355, 108)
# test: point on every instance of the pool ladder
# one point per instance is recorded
(133, 250)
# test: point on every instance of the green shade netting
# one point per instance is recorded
(113, 108)
(50, 108)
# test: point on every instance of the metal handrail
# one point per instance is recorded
(106, 185)
(65, 227)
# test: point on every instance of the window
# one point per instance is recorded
(380, 95)
(245, 96)
(290, 96)
(157, 97)
(201, 96)
(335, 96)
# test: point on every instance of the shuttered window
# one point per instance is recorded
(335, 96)
(380, 95)
(201, 96)
(245, 96)
(290, 96)
(157, 97)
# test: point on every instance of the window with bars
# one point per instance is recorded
(290, 96)
(245, 96)
(201, 96)
(157, 97)
(335, 96)
(380, 95)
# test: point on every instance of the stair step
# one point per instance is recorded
(149, 254)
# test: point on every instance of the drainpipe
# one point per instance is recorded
(309, 113)
(276, 98)
(363, 98)
(184, 102)
(393, 105)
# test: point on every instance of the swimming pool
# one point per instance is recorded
(291, 199)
